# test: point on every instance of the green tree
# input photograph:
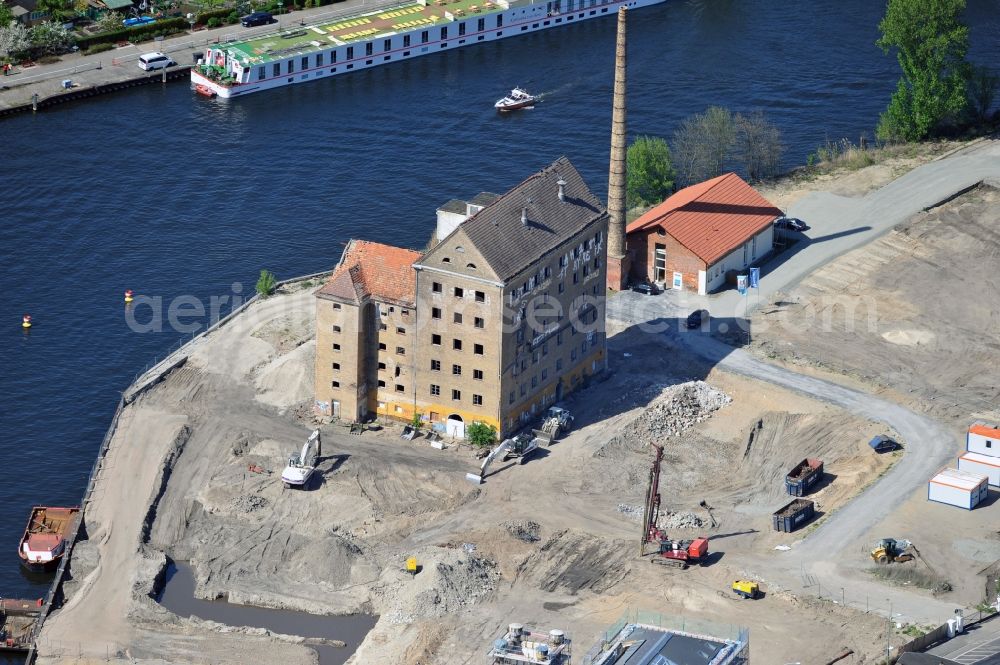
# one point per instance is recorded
(481, 434)
(265, 283)
(50, 38)
(6, 15)
(415, 421)
(650, 173)
(982, 91)
(931, 43)
(58, 10)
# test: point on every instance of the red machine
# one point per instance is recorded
(679, 553)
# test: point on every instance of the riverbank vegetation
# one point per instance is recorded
(939, 92)
(705, 145)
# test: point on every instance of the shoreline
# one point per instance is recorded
(142, 383)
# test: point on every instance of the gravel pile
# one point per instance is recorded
(676, 410)
(525, 530)
(670, 520)
(442, 587)
(248, 503)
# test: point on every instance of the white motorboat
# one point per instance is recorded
(517, 99)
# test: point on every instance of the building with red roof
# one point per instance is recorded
(701, 233)
(494, 323)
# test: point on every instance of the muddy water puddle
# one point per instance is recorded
(178, 597)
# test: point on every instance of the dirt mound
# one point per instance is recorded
(675, 411)
(571, 561)
(449, 580)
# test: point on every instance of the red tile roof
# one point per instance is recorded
(374, 270)
(712, 218)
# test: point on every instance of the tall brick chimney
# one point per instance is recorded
(618, 263)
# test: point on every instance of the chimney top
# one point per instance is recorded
(562, 188)
(524, 215)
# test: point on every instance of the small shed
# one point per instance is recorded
(981, 464)
(963, 489)
(983, 439)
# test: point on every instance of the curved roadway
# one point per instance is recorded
(839, 225)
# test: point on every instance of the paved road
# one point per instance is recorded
(120, 64)
(814, 560)
(839, 224)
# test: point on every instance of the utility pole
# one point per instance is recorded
(888, 623)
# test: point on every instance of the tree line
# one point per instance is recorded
(704, 146)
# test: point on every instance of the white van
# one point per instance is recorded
(155, 60)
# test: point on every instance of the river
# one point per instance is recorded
(161, 191)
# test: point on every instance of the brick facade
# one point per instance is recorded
(679, 258)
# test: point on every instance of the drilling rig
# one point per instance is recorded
(677, 553)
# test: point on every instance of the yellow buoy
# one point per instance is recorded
(26, 321)
(128, 295)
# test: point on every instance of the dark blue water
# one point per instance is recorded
(169, 194)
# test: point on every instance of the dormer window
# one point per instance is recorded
(446, 260)
(470, 266)
(460, 249)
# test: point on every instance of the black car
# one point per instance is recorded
(647, 289)
(790, 223)
(257, 18)
(696, 318)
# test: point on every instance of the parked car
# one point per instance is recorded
(138, 20)
(790, 223)
(644, 288)
(257, 18)
(696, 318)
(155, 60)
(883, 444)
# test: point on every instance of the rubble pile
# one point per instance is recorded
(457, 579)
(670, 520)
(524, 530)
(676, 410)
(248, 503)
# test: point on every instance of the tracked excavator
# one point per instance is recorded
(301, 465)
(520, 446)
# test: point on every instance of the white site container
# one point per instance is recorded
(958, 488)
(983, 439)
(981, 464)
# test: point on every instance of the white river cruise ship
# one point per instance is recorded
(369, 38)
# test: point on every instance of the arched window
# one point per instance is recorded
(470, 265)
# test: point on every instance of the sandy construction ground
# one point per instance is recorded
(192, 475)
(551, 543)
(913, 317)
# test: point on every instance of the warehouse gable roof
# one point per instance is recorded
(509, 244)
(712, 218)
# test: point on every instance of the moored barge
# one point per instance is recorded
(44, 541)
(369, 38)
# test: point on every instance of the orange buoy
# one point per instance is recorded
(26, 321)
(128, 295)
